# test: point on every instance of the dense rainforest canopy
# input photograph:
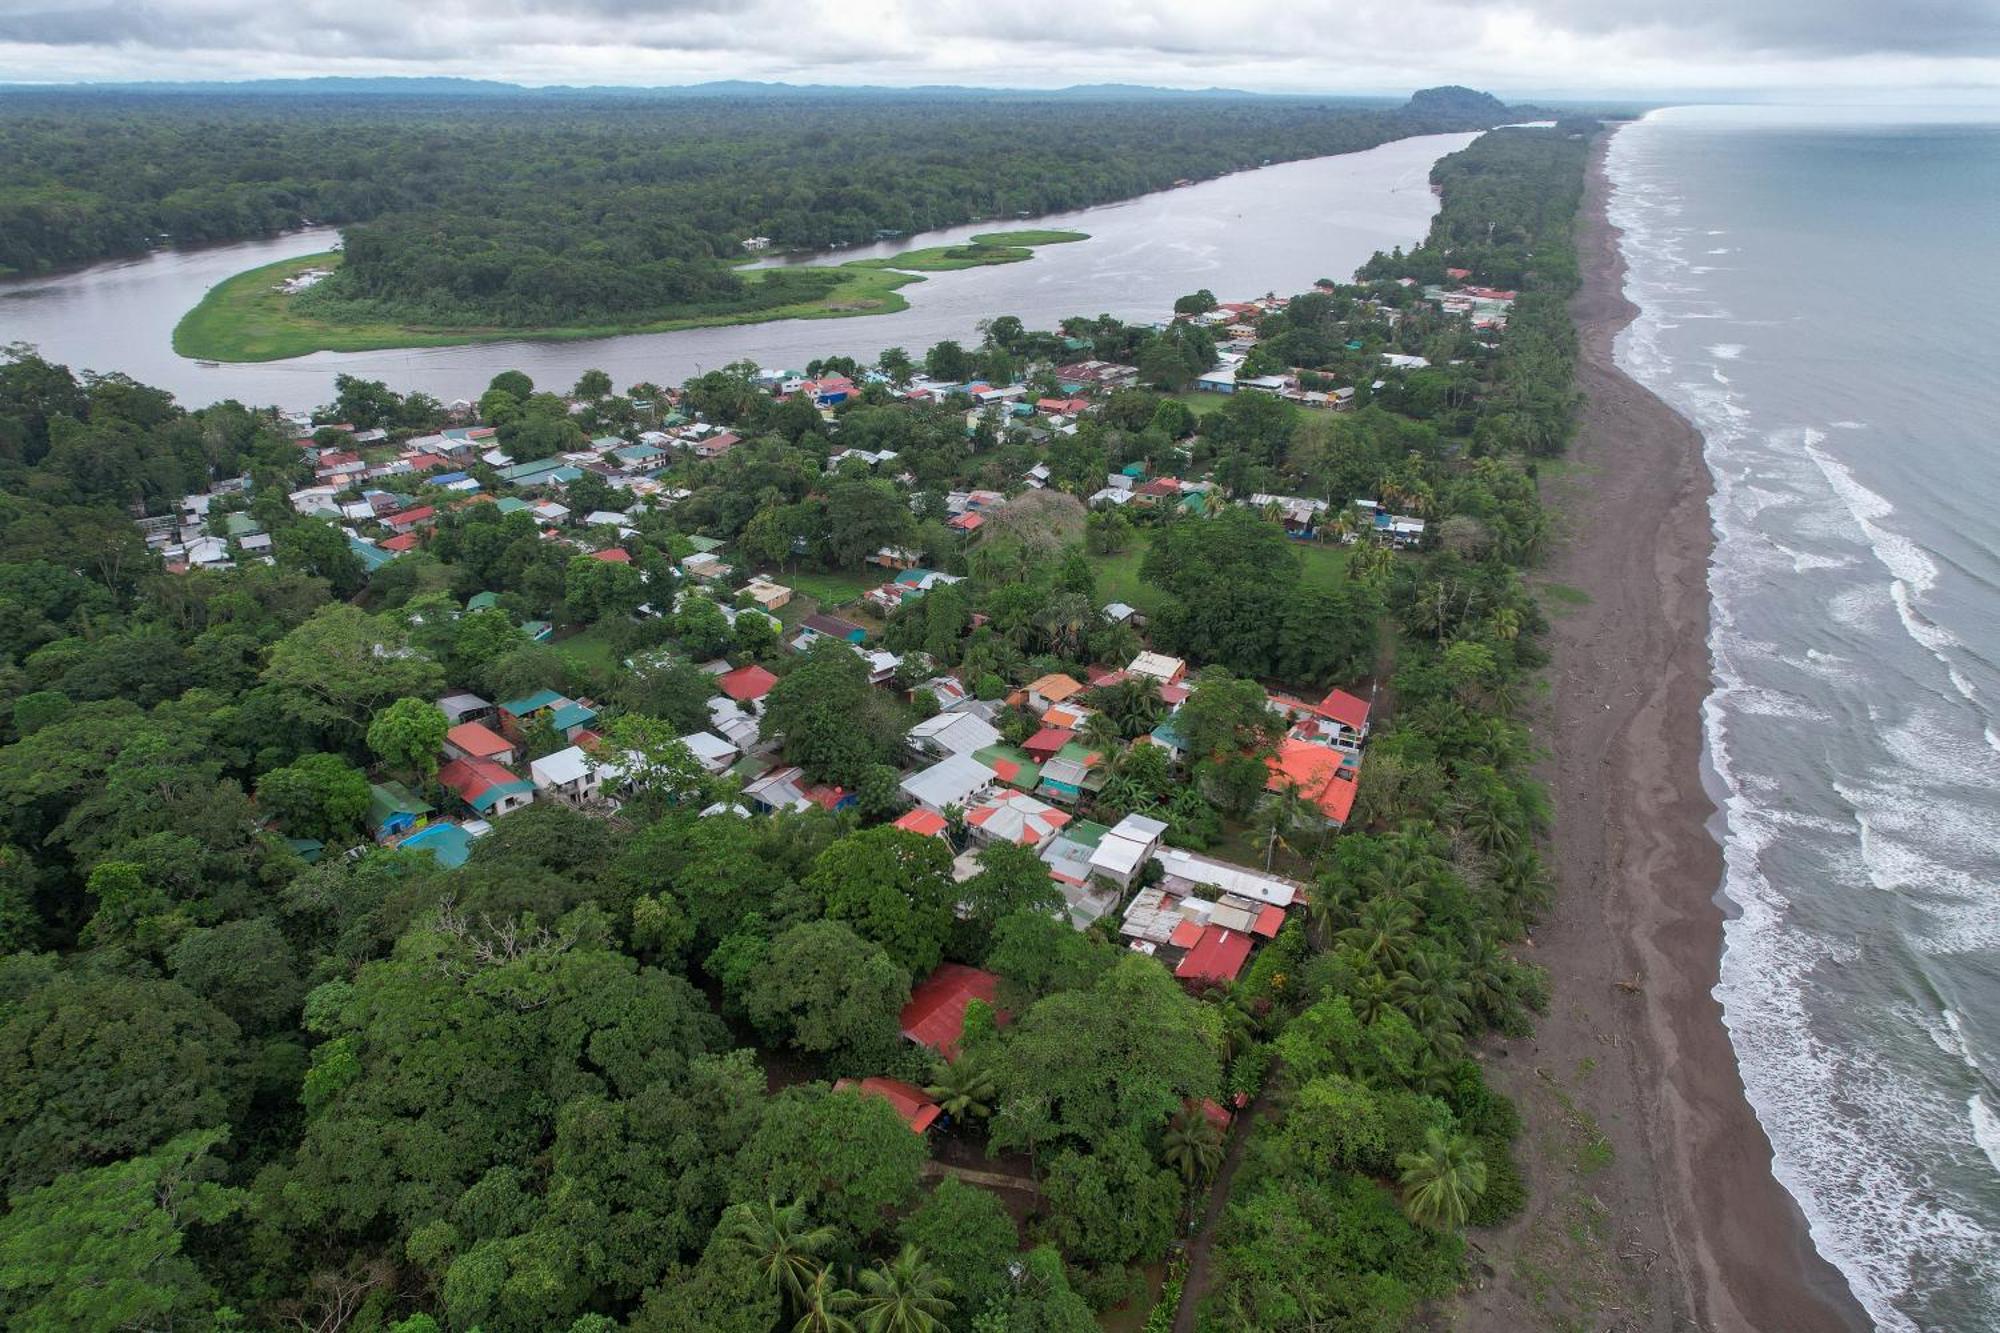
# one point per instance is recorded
(534, 212)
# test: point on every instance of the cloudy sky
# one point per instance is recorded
(1948, 49)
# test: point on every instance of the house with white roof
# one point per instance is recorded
(954, 780)
(952, 733)
(568, 775)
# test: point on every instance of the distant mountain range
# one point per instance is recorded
(737, 88)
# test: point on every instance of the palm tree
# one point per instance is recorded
(786, 1251)
(1442, 1180)
(1383, 932)
(821, 1305)
(1101, 732)
(1284, 811)
(965, 1089)
(904, 1295)
(1192, 1146)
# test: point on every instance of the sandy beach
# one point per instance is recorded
(1652, 1201)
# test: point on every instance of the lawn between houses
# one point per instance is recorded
(249, 318)
(1118, 577)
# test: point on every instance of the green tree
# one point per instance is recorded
(848, 1158)
(102, 1249)
(788, 1252)
(968, 1236)
(591, 386)
(965, 1089)
(314, 546)
(903, 1295)
(894, 887)
(1442, 1180)
(94, 1068)
(647, 755)
(1192, 1146)
(828, 992)
(1121, 1056)
(343, 664)
(409, 735)
(316, 796)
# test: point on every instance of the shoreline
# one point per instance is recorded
(1652, 1197)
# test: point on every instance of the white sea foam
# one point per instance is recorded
(1902, 557)
(1726, 351)
(1985, 1128)
(1853, 1131)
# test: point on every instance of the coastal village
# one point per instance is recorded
(1026, 767)
(1052, 810)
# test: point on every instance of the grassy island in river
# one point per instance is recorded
(259, 315)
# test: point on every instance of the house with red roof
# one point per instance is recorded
(1045, 744)
(613, 555)
(485, 787)
(923, 823)
(912, 1103)
(401, 542)
(935, 1015)
(410, 519)
(746, 684)
(476, 740)
(1325, 777)
(1215, 957)
(1015, 816)
(1339, 720)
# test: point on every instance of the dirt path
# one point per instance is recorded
(1194, 1287)
(1652, 1203)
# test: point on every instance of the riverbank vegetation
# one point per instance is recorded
(253, 317)
(993, 247)
(583, 1081)
(539, 212)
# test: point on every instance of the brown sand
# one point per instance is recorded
(1683, 1226)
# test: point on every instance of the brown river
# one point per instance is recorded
(1276, 229)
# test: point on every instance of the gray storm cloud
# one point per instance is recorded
(1525, 45)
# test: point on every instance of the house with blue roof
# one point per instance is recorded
(449, 843)
(568, 716)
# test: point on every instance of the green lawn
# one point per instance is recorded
(993, 247)
(590, 649)
(830, 589)
(247, 317)
(1202, 403)
(1118, 575)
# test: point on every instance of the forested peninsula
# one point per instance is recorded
(732, 1015)
(518, 214)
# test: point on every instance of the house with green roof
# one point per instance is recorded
(394, 809)
(1013, 765)
(482, 601)
(371, 556)
(568, 716)
(512, 504)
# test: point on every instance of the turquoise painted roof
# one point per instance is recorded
(372, 557)
(449, 843)
(538, 700)
(494, 794)
(512, 504)
(481, 601)
(572, 715)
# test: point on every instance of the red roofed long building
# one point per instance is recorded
(935, 1015)
(919, 1112)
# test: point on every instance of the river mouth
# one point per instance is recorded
(1276, 228)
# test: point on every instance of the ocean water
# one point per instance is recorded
(1820, 294)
